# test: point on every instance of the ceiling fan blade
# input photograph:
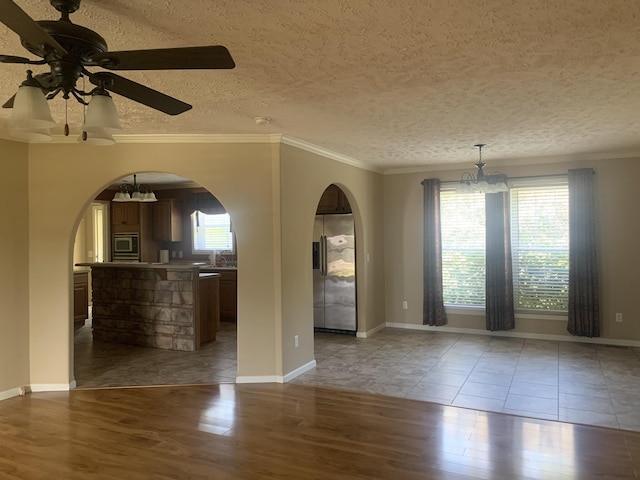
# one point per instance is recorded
(9, 103)
(188, 58)
(13, 59)
(139, 93)
(26, 28)
(47, 82)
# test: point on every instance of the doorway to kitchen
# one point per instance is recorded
(102, 364)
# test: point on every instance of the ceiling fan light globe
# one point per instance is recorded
(35, 135)
(31, 110)
(102, 116)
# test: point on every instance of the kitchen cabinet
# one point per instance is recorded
(125, 213)
(228, 295)
(208, 306)
(228, 292)
(167, 220)
(80, 298)
(333, 200)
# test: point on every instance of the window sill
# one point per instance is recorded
(479, 312)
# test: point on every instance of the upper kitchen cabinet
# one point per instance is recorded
(333, 200)
(167, 220)
(125, 213)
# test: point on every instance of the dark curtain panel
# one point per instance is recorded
(205, 202)
(499, 308)
(584, 298)
(433, 303)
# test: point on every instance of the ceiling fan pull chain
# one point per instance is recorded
(84, 111)
(66, 117)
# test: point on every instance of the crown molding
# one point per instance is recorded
(188, 138)
(585, 157)
(338, 157)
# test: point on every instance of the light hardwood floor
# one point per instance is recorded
(289, 431)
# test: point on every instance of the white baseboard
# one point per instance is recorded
(536, 336)
(368, 333)
(51, 387)
(13, 392)
(260, 379)
(300, 370)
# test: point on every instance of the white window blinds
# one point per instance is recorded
(211, 232)
(463, 248)
(540, 247)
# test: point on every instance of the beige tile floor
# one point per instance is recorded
(571, 382)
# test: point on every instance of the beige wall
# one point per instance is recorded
(618, 230)
(303, 180)
(14, 258)
(66, 177)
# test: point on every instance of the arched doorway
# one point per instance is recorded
(334, 264)
(167, 231)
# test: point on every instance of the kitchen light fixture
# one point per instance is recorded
(31, 117)
(135, 193)
(481, 182)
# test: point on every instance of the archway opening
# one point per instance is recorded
(174, 232)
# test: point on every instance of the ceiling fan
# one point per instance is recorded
(69, 49)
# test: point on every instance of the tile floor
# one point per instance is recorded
(113, 365)
(571, 382)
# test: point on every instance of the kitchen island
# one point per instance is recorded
(169, 306)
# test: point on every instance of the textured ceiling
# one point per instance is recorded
(390, 84)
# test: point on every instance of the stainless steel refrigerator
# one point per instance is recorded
(334, 273)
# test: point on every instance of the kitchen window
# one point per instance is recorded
(211, 232)
(539, 247)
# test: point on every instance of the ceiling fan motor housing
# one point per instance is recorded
(80, 43)
(65, 6)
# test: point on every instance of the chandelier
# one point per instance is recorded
(135, 193)
(482, 182)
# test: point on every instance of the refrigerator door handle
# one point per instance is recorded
(323, 255)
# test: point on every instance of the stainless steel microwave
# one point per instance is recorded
(126, 246)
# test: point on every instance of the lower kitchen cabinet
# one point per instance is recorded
(80, 298)
(228, 292)
(228, 295)
(208, 307)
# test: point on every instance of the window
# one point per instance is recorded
(211, 232)
(540, 247)
(463, 246)
(539, 243)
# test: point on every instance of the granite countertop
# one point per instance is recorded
(172, 266)
(209, 274)
(201, 265)
(207, 268)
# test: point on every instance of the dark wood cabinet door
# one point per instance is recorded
(333, 200)
(167, 220)
(124, 213)
(80, 298)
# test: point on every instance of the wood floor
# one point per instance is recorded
(289, 431)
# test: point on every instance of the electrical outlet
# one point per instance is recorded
(296, 341)
(619, 317)
(404, 305)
